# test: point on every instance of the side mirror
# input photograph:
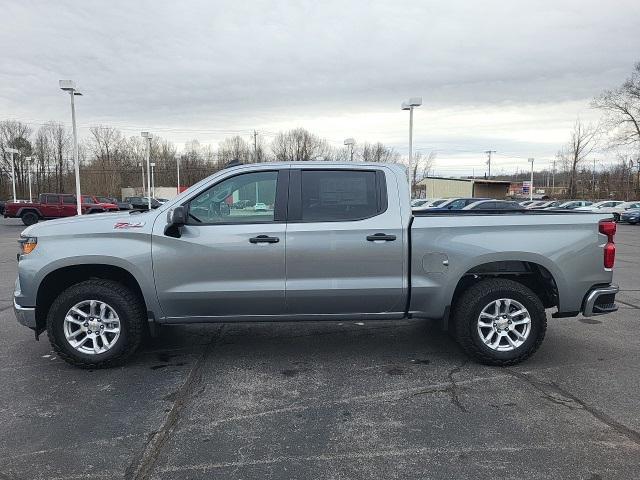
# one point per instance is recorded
(176, 218)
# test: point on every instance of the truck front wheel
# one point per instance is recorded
(96, 323)
(29, 218)
(499, 321)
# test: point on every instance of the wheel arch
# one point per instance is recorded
(531, 274)
(58, 280)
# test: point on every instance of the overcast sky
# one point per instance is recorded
(510, 76)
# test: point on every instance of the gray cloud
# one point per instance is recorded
(201, 69)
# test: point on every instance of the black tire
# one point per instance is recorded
(126, 304)
(29, 218)
(470, 304)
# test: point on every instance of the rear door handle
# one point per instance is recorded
(264, 239)
(381, 236)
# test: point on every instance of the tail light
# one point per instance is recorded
(608, 228)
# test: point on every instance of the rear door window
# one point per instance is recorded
(52, 199)
(339, 195)
(68, 200)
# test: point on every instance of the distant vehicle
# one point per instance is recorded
(48, 206)
(418, 202)
(631, 216)
(162, 200)
(571, 205)
(114, 200)
(546, 204)
(108, 206)
(606, 206)
(433, 203)
(494, 205)
(141, 203)
(623, 207)
(535, 203)
(260, 207)
(527, 202)
(458, 203)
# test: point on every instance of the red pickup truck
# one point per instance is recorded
(49, 205)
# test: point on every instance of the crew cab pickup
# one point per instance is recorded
(335, 242)
(50, 205)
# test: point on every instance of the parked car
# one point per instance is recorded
(535, 203)
(433, 203)
(107, 206)
(418, 202)
(494, 205)
(162, 200)
(606, 206)
(351, 242)
(48, 206)
(260, 207)
(546, 204)
(631, 216)
(458, 203)
(141, 203)
(526, 202)
(618, 210)
(571, 205)
(114, 200)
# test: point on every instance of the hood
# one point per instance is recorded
(92, 223)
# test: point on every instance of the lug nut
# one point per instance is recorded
(88, 331)
(86, 324)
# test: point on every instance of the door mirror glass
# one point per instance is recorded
(177, 216)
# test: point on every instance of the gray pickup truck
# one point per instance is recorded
(310, 241)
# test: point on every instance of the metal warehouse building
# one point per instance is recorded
(439, 187)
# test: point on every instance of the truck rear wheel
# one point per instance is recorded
(29, 218)
(96, 323)
(499, 322)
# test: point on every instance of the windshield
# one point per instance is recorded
(437, 202)
(105, 200)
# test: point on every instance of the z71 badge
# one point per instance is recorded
(124, 225)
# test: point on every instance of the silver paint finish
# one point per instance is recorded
(323, 270)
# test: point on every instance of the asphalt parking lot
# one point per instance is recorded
(326, 400)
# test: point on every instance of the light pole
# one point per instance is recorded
(410, 105)
(70, 86)
(148, 136)
(178, 169)
(12, 151)
(28, 159)
(350, 142)
(141, 165)
(153, 181)
(531, 185)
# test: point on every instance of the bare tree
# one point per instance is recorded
(584, 138)
(14, 134)
(421, 165)
(299, 145)
(621, 107)
(378, 152)
(234, 148)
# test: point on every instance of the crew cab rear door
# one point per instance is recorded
(50, 206)
(228, 261)
(344, 243)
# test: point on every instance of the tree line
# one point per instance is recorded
(109, 160)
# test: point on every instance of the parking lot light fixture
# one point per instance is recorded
(409, 105)
(141, 165)
(350, 142)
(70, 87)
(148, 137)
(13, 151)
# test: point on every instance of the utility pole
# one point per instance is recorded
(28, 159)
(178, 168)
(531, 185)
(255, 146)
(147, 136)
(553, 177)
(13, 151)
(489, 152)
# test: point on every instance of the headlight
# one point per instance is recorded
(27, 245)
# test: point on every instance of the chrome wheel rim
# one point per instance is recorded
(504, 324)
(91, 327)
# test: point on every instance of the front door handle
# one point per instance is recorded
(264, 239)
(381, 236)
